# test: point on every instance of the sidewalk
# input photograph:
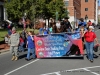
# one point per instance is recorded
(3, 48)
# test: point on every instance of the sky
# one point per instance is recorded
(99, 2)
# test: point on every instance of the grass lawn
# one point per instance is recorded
(3, 32)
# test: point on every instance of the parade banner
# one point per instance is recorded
(57, 45)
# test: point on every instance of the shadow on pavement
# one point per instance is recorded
(22, 56)
(80, 58)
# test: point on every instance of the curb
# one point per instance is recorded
(2, 51)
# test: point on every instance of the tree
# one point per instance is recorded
(17, 8)
(48, 8)
(35, 8)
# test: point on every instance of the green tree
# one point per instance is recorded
(35, 8)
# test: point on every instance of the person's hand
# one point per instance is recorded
(97, 43)
(26, 46)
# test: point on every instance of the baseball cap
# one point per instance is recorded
(91, 27)
(13, 29)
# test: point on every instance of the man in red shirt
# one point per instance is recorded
(89, 37)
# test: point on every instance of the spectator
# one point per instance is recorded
(14, 42)
(31, 45)
(90, 36)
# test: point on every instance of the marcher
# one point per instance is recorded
(54, 28)
(82, 32)
(89, 23)
(24, 36)
(41, 30)
(89, 37)
(14, 42)
(9, 29)
(30, 45)
(45, 32)
(68, 25)
(82, 23)
(50, 29)
(58, 25)
(21, 44)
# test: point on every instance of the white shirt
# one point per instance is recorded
(58, 25)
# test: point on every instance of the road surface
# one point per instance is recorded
(49, 66)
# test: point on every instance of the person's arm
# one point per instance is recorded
(18, 40)
(70, 25)
(96, 39)
(32, 37)
(26, 44)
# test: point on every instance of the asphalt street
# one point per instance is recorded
(49, 66)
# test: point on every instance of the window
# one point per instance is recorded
(86, 0)
(86, 9)
(66, 3)
(98, 12)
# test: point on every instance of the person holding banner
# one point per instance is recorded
(68, 25)
(31, 45)
(89, 37)
(82, 32)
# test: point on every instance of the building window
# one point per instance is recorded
(86, 9)
(86, 0)
(66, 3)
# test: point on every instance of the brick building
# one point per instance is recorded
(74, 9)
(99, 14)
(80, 8)
(89, 8)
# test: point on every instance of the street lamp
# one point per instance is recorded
(86, 18)
(56, 16)
(56, 12)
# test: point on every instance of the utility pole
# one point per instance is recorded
(56, 11)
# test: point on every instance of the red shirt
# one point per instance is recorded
(21, 40)
(89, 36)
(89, 23)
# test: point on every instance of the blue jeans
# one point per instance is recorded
(89, 49)
(21, 48)
(9, 32)
(29, 51)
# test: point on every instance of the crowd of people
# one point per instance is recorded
(86, 30)
(18, 42)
